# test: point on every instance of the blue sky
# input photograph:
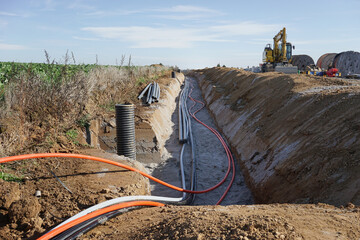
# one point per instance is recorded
(189, 34)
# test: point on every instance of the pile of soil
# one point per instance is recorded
(234, 222)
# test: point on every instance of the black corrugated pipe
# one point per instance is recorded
(125, 130)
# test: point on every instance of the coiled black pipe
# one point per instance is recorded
(125, 130)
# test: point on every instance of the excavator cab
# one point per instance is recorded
(288, 51)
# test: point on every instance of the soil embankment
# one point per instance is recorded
(296, 136)
(279, 221)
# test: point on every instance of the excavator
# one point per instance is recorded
(278, 58)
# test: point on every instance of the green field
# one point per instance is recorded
(9, 70)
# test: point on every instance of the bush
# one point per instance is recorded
(41, 105)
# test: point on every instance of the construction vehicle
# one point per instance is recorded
(277, 58)
(317, 71)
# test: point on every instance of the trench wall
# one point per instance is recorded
(295, 137)
(154, 125)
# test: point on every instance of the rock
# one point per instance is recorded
(105, 190)
(350, 205)
(112, 123)
(9, 193)
(38, 193)
(200, 236)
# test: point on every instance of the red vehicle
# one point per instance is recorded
(332, 72)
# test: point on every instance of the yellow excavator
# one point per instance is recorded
(278, 59)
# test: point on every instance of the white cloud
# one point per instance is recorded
(4, 46)
(100, 13)
(244, 28)
(164, 37)
(186, 12)
(183, 17)
(187, 9)
(86, 39)
(82, 5)
(148, 37)
(8, 14)
(3, 23)
(179, 12)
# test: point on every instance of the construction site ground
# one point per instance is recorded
(24, 216)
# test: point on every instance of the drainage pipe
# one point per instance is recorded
(144, 91)
(125, 130)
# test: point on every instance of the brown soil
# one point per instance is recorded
(24, 216)
(234, 222)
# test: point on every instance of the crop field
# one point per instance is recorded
(9, 70)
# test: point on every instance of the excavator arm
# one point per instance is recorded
(280, 49)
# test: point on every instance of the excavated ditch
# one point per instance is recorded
(296, 137)
(158, 149)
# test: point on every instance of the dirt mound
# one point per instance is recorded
(10, 193)
(296, 136)
(234, 222)
(24, 214)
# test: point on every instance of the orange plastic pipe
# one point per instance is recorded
(70, 155)
(96, 213)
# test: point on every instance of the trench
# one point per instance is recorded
(158, 149)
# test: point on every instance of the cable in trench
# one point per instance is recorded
(186, 134)
(94, 214)
(87, 215)
(217, 134)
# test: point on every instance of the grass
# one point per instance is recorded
(141, 80)
(9, 177)
(72, 135)
(84, 121)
